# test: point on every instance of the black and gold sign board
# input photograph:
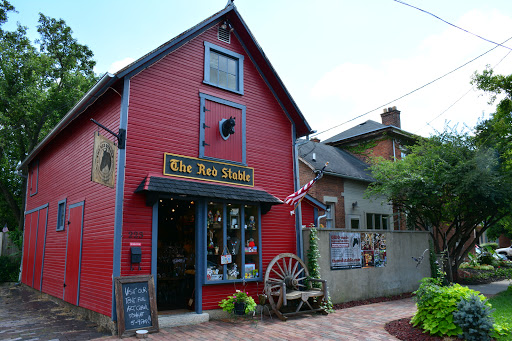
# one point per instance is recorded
(193, 168)
(103, 161)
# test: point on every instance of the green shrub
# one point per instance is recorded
(473, 316)
(436, 305)
(467, 265)
(9, 268)
(493, 246)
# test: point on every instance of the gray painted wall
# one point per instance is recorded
(400, 274)
(354, 192)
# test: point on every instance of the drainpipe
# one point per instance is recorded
(318, 220)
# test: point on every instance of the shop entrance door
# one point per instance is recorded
(176, 255)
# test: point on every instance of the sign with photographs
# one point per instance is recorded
(355, 250)
(345, 250)
(103, 161)
(373, 246)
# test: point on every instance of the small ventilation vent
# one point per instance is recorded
(223, 35)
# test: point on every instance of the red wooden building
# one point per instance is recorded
(180, 185)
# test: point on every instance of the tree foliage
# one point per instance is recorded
(496, 132)
(39, 83)
(448, 187)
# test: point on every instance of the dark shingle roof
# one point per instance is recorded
(341, 163)
(360, 129)
(200, 189)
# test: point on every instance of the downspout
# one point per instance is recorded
(296, 180)
(118, 210)
(318, 220)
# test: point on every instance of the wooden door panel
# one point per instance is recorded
(73, 253)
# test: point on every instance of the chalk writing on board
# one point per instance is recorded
(136, 305)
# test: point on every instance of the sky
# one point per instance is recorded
(339, 59)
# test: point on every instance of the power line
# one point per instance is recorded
(449, 23)
(409, 93)
(435, 118)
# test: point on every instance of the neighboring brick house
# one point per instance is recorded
(347, 176)
(373, 139)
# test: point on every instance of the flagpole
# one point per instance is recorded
(292, 212)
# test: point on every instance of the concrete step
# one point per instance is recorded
(185, 319)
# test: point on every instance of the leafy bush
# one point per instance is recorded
(493, 246)
(468, 265)
(473, 316)
(9, 268)
(436, 305)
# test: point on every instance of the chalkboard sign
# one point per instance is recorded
(136, 304)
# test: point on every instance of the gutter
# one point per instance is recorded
(89, 98)
(348, 177)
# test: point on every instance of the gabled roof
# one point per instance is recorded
(367, 128)
(341, 163)
(245, 37)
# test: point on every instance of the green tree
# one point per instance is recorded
(448, 187)
(496, 132)
(39, 83)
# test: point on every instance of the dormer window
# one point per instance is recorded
(223, 68)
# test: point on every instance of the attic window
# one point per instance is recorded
(223, 34)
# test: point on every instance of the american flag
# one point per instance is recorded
(296, 198)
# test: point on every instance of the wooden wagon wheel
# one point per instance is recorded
(287, 268)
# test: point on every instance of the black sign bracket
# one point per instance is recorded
(121, 136)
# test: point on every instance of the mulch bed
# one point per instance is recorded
(403, 330)
(351, 304)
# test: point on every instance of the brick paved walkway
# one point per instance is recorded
(358, 323)
(25, 315)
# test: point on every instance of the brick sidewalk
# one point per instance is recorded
(358, 323)
(26, 315)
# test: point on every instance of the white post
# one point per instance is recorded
(1, 242)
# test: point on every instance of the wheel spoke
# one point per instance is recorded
(271, 279)
(285, 268)
(294, 269)
(298, 273)
(290, 266)
(300, 279)
(277, 273)
(280, 268)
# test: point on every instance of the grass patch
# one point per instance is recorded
(502, 302)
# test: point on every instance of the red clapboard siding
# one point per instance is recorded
(65, 173)
(164, 116)
(308, 214)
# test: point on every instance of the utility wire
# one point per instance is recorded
(449, 23)
(409, 93)
(435, 118)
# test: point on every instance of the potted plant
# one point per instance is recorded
(240, 303)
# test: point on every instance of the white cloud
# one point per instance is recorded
(118, 65)
(353, 89)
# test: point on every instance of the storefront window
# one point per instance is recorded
(232, 238)
(251, 247)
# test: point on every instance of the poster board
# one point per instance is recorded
(135, 304)
(349, 250)
(345, 250)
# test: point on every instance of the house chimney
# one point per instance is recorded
(391, 117)
(315, 139)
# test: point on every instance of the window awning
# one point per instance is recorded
(156, 184)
